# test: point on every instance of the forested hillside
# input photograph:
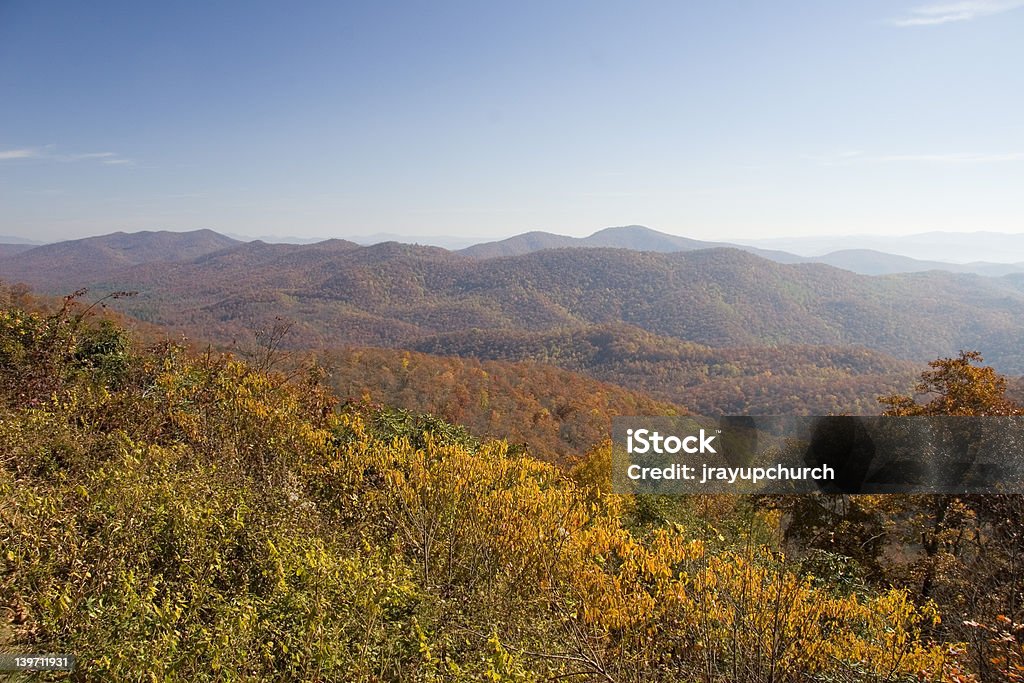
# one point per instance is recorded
(168, 516)
(13, 249)
(792, 380)
(397, 295)
(558, 415)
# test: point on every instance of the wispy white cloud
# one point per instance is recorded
(89, 155)
(24, 153)
(835, 158)
(49, 153)
(107, 158)
(948, 12)
(613, 195)
(948, 158)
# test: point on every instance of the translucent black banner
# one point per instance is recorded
(832, 454)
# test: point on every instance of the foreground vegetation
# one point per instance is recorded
(169, 516)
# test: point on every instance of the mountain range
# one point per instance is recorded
(867, 260)
(639, 238)
(395, 295)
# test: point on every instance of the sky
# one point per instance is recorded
(476, 119)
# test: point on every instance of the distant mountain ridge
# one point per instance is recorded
(11, 245)
(640, 238)
(634, 237)
(11, 239)
(945, 247)
(93, 257)
(871, 262)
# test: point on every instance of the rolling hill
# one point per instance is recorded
(85, 259)
(633, 237)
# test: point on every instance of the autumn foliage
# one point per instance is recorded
(169, 516)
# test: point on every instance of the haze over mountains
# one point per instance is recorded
(864, 261)
(10, 239)
(1005, 252)
(9, 245)
(951, 247)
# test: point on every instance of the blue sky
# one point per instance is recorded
(484, 119)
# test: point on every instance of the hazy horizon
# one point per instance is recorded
(937, 246)
(481, 122)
